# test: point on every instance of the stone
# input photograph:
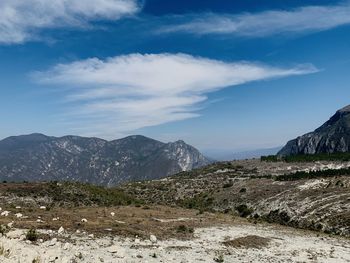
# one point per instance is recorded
(43, 207)
(112, 214)
(53, 242)
(5, 213)
(19, 215)
(66, 246)
(113, 249)
(153, 239)
(84, 220)
(60, 230)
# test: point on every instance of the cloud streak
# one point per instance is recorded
(21, 19)
(125, 93)
(304, 19)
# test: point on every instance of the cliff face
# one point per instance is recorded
(333, 136)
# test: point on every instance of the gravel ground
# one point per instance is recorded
(284, 245)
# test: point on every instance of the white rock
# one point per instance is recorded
(53, 242)
(137, 241)
(112, 214)
(10, 225)
(19, 215)
(91, 236)
(39, 221)
(84, 220)
(52, 259)
(5, 213)
(153, 239)
(43, 207)
(78, 231)
(113, 249)
(60, 230)
(18, 207)
(66, 246)
(117, 251)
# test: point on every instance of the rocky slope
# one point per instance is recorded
(253, 189)
(33, 229)
(37, 157)
(331, 137)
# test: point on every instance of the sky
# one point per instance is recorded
(222, 75)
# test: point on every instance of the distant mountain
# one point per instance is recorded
(331, 137)
(37, 157)
(255, 153)
(227, 155)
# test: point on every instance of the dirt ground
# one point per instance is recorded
(127, 221)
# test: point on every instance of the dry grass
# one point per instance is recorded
(129, 221)
(248, 242)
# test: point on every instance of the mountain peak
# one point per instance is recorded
(333, 136)
(346, 109)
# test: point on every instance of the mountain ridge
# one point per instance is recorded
(38, 157)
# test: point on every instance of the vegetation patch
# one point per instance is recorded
(343, 157)
(313, 174)
(72, 193)
(244, 210)
(202, 202)
(32, 235)
(250, 241)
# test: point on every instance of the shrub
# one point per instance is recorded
(184, 229)
(3, 229)
(243, 190)
(32, 235)
(244, 210)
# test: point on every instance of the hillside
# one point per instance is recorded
(304, 195)
(37, 157)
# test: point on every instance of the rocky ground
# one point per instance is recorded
(253, 189)
(240, 211)
(234, 242)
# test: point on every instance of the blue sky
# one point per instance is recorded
(223, 75)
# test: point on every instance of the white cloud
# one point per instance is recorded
(20, 19)
(304, 19)
(125, 93)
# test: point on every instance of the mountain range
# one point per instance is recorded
(332, 137)
(37, 157)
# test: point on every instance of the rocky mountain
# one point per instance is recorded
(37, 157)
(331, 137)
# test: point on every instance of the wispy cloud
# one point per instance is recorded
(304, 19)
(124, 93)
(21, 19)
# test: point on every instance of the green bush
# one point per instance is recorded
(344, 157)
(32, 235)
(313, 174)
(244, 210)
(184, 229)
